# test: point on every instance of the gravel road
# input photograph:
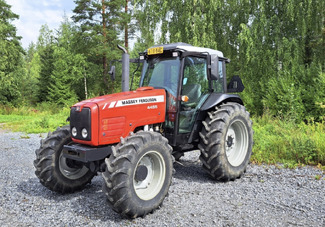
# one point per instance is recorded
(264, 196)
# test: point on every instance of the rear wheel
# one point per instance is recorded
(56, 172)
(138, 174)
(226, 142)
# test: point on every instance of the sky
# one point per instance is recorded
(35, 13)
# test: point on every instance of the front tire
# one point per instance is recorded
(138, 174)
(55, 171)
(226, 142)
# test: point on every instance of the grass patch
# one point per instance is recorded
(278, 141)
(33, 120)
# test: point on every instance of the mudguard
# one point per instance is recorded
(216, 98)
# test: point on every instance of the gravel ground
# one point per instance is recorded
(264, 196)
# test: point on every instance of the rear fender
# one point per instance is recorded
(216, 99)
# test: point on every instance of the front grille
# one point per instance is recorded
(81, 119)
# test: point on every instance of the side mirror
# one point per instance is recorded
(214, 67)
(112, 72)
(235, 85)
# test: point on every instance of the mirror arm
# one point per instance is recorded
(112, 72)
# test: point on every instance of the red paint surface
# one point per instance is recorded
(109, 123)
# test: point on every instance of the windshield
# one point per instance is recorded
(161, 73)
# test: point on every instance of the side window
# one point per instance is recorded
(195, 75)
(220, 69)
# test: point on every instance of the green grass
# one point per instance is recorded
(279, 141)
(276, 141)
(33, 120)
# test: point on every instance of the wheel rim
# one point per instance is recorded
(69, 170)
(236, 143)
(152, 180)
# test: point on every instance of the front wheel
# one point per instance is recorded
(226, 142)
(56, 172)
(138, 174)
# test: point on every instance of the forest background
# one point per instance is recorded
(277, 47)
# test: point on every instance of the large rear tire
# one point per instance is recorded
(226, 142)
(55, 171)
(138, 174)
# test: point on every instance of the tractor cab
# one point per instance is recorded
(189, 75)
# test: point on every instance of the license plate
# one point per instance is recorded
(155, 50)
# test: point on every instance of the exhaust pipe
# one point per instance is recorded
(125, 69)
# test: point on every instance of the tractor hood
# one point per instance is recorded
(116, 115)
(143, 95)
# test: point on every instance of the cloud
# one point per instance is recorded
(34, 14)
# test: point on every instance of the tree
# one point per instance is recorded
(32, 65)
(101, 23)
(45, 48)
(68, 67)
(11, 56)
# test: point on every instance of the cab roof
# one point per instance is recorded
(185, 47)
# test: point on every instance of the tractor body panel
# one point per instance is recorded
(115, 116)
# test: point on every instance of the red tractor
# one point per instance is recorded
(133, 137)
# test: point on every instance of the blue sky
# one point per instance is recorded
(35, 13)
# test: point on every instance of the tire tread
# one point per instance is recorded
(215, 126)
(117, 174)
(45, 163)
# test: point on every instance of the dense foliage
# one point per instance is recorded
(278, 141)
(277, 47)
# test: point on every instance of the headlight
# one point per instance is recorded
(74, 132)
(84, 133)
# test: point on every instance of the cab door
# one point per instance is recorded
(194, 91)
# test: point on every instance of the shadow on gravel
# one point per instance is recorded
(92, 204)
(191, 171)
(32, 187)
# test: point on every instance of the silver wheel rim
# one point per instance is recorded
(236, 143)
(149, 187)
(69, 172)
